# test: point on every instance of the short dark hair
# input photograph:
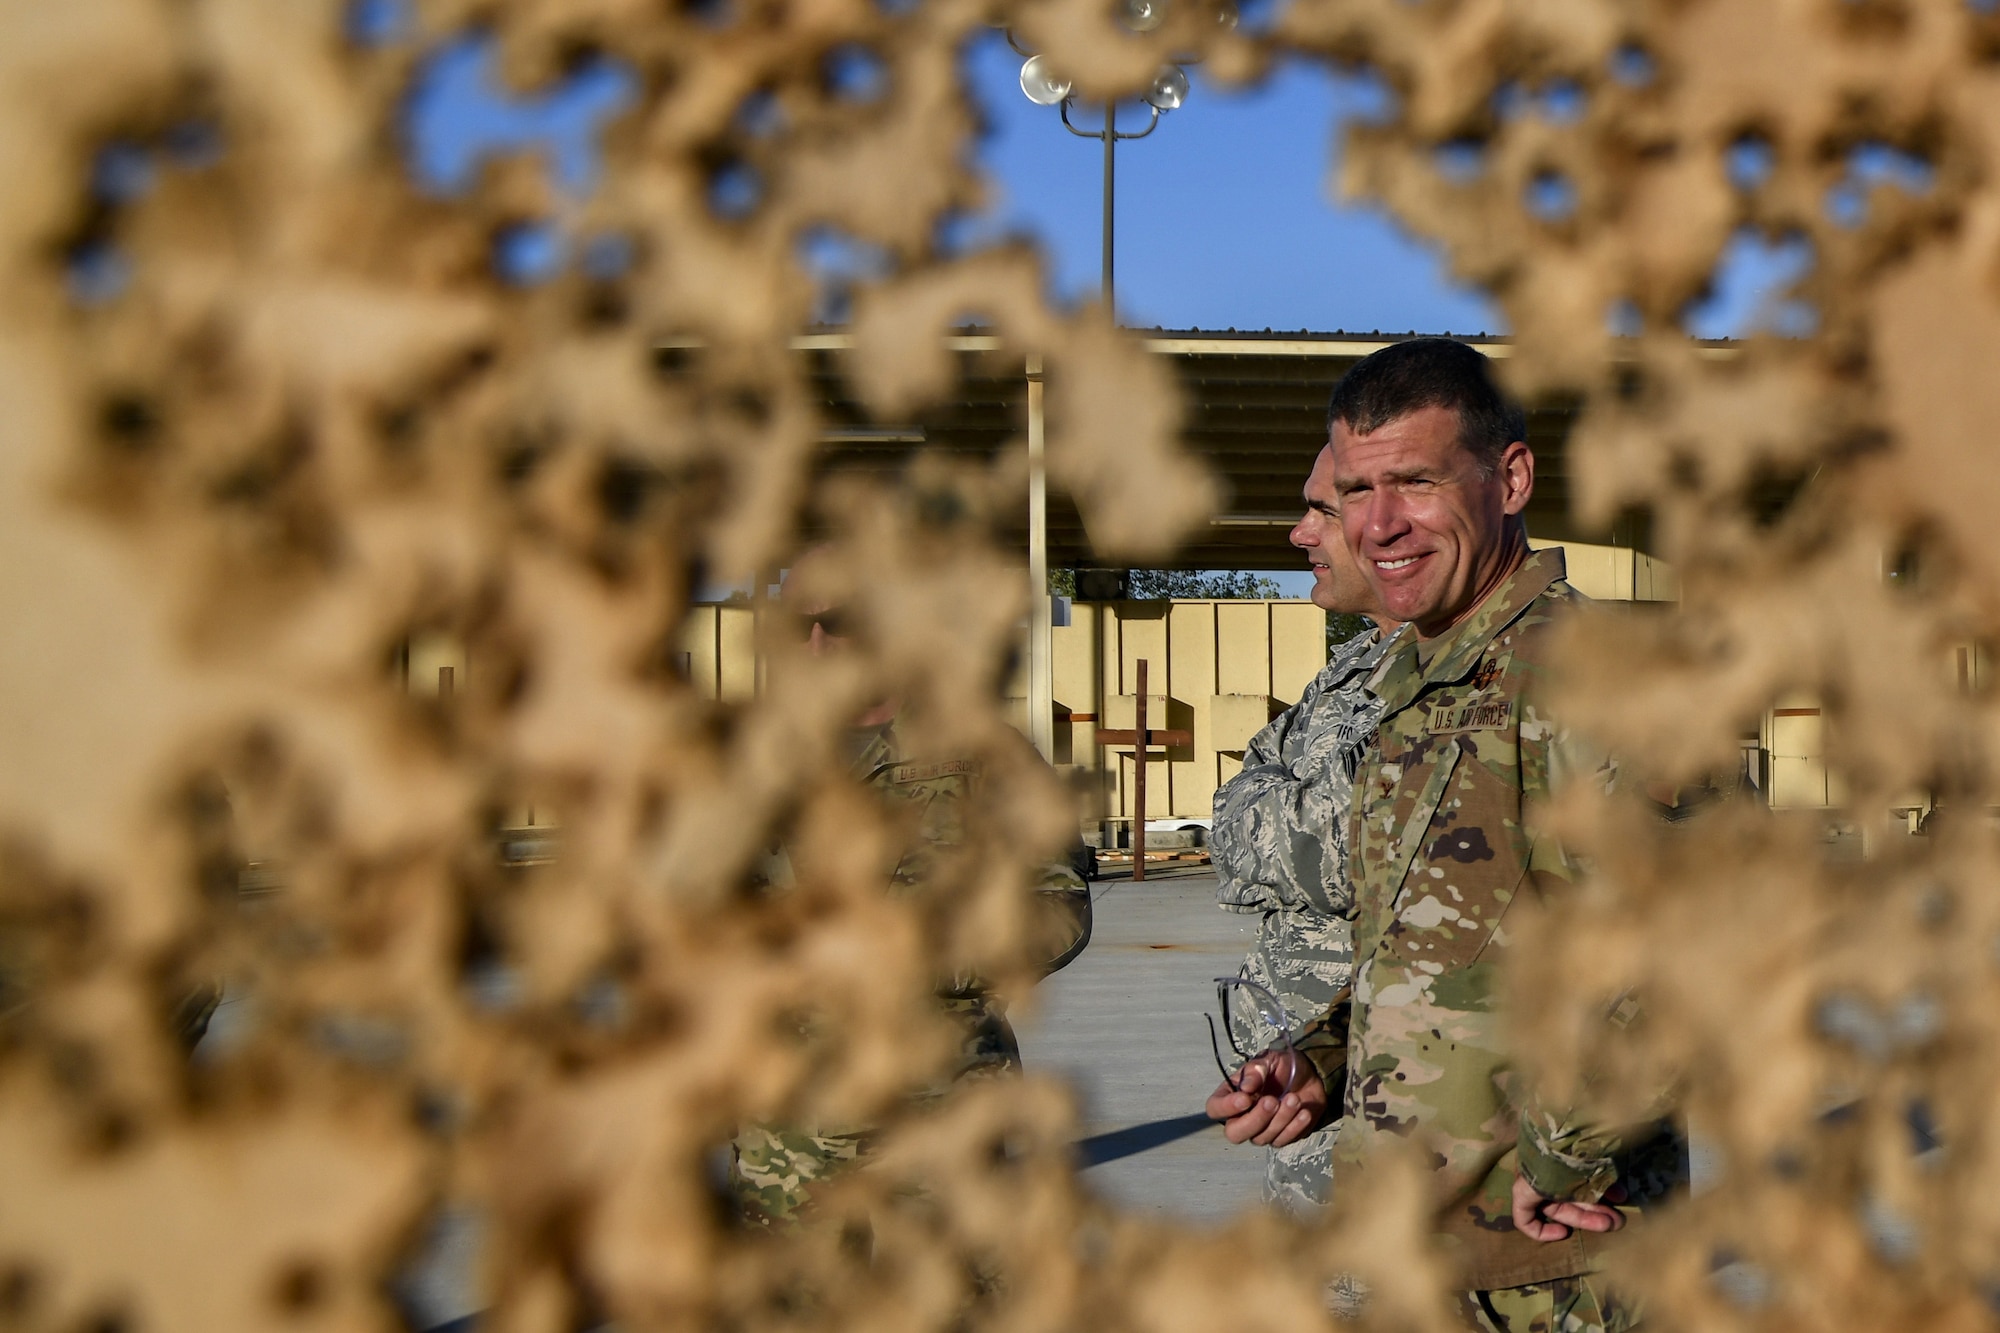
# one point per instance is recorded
(1408, 376)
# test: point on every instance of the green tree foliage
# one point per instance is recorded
(1212, 583)
(1159, 584)
(1154, 584)
(1342, 626)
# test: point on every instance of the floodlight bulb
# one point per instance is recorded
(1143, 15)
(1043, 86)
(1170, 88)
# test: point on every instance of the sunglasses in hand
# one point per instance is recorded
(1240, 995)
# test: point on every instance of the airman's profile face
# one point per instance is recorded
(822, 626)
(1429, 525)
(826, 629)
(1338, 583)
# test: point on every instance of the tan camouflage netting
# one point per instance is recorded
(312, 424)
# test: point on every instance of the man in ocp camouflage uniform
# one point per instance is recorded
(1280, 839)
(1433, 473)
(773, 1168)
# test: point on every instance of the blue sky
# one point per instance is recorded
(1225, 215)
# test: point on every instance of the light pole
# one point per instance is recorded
(1045, 87)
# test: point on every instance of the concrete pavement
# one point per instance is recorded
(1124, 1024)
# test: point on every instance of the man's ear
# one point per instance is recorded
(1517, 471)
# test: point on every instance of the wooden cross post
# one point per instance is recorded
(1141, 738)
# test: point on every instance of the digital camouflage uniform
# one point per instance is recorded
(1280, 849)
(1443, 842)
(773, 1167)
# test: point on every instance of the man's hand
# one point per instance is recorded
(1281, 1100)
(1541, 1218)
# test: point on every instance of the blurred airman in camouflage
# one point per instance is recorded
(1433, 473)
(774, 1167)
(1280, 840)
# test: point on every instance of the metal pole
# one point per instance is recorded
(764, 624)
(1110, 157)
(1041, 644)
(1140, 738)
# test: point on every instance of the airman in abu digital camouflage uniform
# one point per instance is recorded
(1434, 473)
(1280, 840)
(774, 1167)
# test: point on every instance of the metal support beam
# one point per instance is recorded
(1041, 637)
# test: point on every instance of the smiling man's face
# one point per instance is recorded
(1338, 584)
(1433, 532)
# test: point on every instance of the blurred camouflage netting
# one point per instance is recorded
(275, 415)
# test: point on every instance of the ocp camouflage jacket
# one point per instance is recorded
(935, 793)
(1443, 841)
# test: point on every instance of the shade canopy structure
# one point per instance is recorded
(1256, 415)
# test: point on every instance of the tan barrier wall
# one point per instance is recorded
(1219, 669)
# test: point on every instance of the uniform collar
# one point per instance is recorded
(1459, 649)
(868, 748)
(1363, 660)
(1359, 653)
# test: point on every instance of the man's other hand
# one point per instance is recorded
(1279, 1099)
(1541, 1218)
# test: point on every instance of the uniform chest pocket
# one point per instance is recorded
(1463, 873)
(935, 795)
(1446, 923)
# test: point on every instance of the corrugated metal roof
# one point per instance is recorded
(1256, 414)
